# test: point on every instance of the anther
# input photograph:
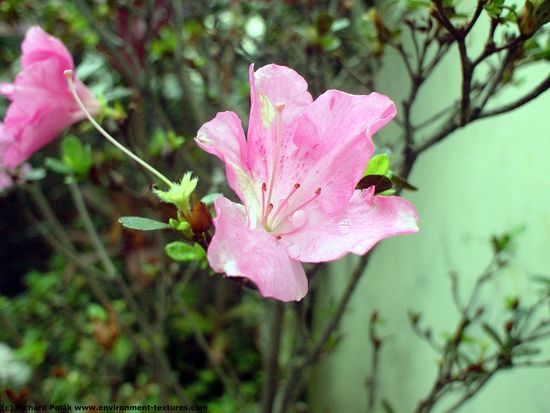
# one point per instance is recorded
(294, 210)
(313, 198)
(284, 202)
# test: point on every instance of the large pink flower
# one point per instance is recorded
(296, 176)
(41, 102)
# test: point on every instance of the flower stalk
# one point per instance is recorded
(69, 75)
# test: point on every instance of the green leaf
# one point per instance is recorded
(210, 198)
(179, 193)
(494, 8)
(378, 165)
(97, 312)
(76, 156)
(181, 251)
(142, 224)
(35, 174)
(122, 350)
(57, 166)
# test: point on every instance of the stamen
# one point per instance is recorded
(267, 212)
(277, 152)
(317, 193)
(69, 75)
(284, 202)
(309, 201)
(264, 189)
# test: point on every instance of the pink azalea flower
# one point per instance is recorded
(296, 175)
(41, 103)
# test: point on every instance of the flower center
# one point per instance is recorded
(274, 219)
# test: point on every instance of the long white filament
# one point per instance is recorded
(69, 75)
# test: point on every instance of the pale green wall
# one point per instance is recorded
(485, 179)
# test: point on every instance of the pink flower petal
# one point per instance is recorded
(366, 220)
(333, 141)
(273, 86)
(298, 168)
(254, 254)
(224, 137)
(6, 89)
(41, 103)
(39, 46)
(33, 134)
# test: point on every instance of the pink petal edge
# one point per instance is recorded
(254, 254)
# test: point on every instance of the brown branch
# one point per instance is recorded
(376, 346)
(229, 379)
(473, 391)
(303, 361)
(491, 49)
(536, 92)
(271, 362)
(475, 17)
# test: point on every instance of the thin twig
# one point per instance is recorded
(228, 378)
(302, 362)
(102, 253)
(271, 362)
(126, 292)
(376, 346)
(536, 92)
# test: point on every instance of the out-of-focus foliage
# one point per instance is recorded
(79, 351)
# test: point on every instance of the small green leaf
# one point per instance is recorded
(378, 165)
(179, 193)
(122, 350)
(210, 198)
(76, 156)
(174, 140)
(142, 224)
(181, 251)
(57, 166)
(35, 174)
(97, 312)
(494, 8)
(389, 192)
